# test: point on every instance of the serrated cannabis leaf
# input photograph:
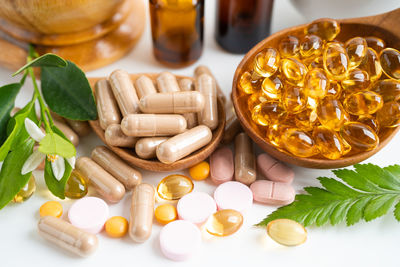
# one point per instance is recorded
(47, 60)
(368, 192)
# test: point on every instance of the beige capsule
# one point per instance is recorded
(245, 160)
(68, 132)
(204, 69)
(66, 236)
(232, 125)
(183, 144)
(142, 209)
(115, 137)
(166, 82)
(153, 125)
(287, 232)
(107, 107)
(186, 84)
(146, 147)
(205, 84)
(124, 92)
(82, 128)
(144, 86)
(104, 183)
(114, 165)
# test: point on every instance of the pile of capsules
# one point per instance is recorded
(318, 97)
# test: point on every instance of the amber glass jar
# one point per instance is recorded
(177, 31)
(242, 23)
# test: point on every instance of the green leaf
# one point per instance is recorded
(47, 60)
(356, 211)
(378, 176)
(8, 93)
(339, 212)
(11, 179)
(379, 206)
(397, 211)
(53, 143)
(357, 181)
(56, 187)
(67, 92)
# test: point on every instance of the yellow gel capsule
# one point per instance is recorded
(336, 61)
(389, 114)
(289, 46)
(200, 171)
(272, 87)
(389, 89)
(272, 112)
(287, 232)
(247, 84)
(371, 65)
(294, 99)
(371, 121)
(174, 187)
(316, 83)
(266, 62)
(257, 117)
(359, 136)
(165, 213)
(334, 89)
(363, 103)
(331, 113)
(275, 132)
(26, 192)
(224, 222)
(293, 70)
(390, 62)
(375, 43)
(51, 208)
(356, 49)
(327, 29)
(255, 99)
(330, 144)
(116, 226)
(299, 143)
(317, 62)
(356, 80)
(77, 186)
(306, 120)
(311, 46)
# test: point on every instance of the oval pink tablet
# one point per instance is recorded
(196, 207)
(272, 193)
(221, 165)
(179, 240)
(233, 195)
(274, 170)
(89, 214)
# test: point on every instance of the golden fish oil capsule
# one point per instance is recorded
(187, 85)
(334, 89)
(289, 46)
(166, 82)
(146, 148)
(336, 61)
(371, 65)
(144, 86)
(311, 46)
(255, 99)
(331, 113)
(115, 137)
(247, 84)
(359, 136)
(107, 107)
(26, 192)
(275, 132)
(272, 87)
(124, 92)
(317, 62)
(245, 161)
(293, 70)
(208, 116)
(257, 116)
(77, 186)
(299, 143)
(371, 121)
(375, 43)
(272, 112)
(363, 103)
(329, 143)
(390, 62)
(356, 80)
(294, 99)
(389, 89)
(174, 187)
(316, 83)
(287, 232)
(356, 49)
(224, 222)
(266, 62)
(306, 120)
(326, 29)
(389, 114)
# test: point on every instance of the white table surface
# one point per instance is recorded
(365, 244)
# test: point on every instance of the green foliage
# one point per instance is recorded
(47, 60)
(8, 93)
(52, 143)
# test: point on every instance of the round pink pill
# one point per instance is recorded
(179, 240)
(196, 207)
(233, 195)
(89, 214)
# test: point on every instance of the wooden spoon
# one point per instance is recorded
(384, 26)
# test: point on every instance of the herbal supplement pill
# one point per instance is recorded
(327, 29)
(390, 62)
(270, 112)
(330, 144)
(306, 120)
(334, 89)
(245, 162)
(174, 187)
(371, 121)
(67, 236)
(166, 82)
(289, 46)
(196, 207)
(144, 86)
(115, 137)
(26, 192)
(293, 70)
(363, 103)
(232, 128)
(124, 92)
(389, 89)
(274, 170)
(77, 186)
(200, 171)
(172, 102)
(294, 99)
(356, 49)
(89, 214)
(356, 80)
(105, 184)
(371, 65)
(331, 113)
(204, 69)
(246, 83)
(316, 83)
(107, 107)
(183, 144)
(272, 86)
(359, 136)
(153, 125)
(318, 62)
(115, 166)
(68, 132)
(165, 213)
(146, 148)
(191, 118)
(205, 84)
(389, 114)
(116, 226)
(266, 62)
(222, 167)
(311, 46)
(233, 195)
(299, 143)
(51, 208)
(82, 128)
(142, 208)
(224, 222)
(272, 193)
(336, 61)
(375, 43)
(274, 134)
(287, 232)
(186, 84)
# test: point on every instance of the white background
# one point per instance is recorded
(365, 244)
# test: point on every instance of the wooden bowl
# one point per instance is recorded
(129, 155)
(382, 26)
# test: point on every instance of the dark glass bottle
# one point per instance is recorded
(242, 23)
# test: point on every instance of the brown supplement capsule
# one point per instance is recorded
(232, 125)
(166, 82)
(153, 125)
(124, 92)
(142, 209)
(205, 84)
(172, 102)
(107, 107)
(204, 69)
(115, 137)
(186, 84)
(68, 132)
(183, 144)
(66, 236)
(82, 128)
(113, 164)
(104, 183)
(245, 162)
(146, 147)
(144, 86)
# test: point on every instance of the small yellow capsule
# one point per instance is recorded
(299, 143)
(51, 208)
(77, 186)
(327, 29)
(306, 120)
(371, 65)
(116, 226)
(359, 136)
(289, 46)
(356, 49)
(390, 62)
(165, 213)
(294, 99)
(389, 89)
(224, 222)
(331, 113)
(174, 187)
(334, 89)
(273, 112)
(316, 83)
(287, 232)
(255, 99)
(272, 87)
(293, 70)
(371, 121)
(375, 43)
(200, 171)
(356, 80)
(330, 144)
(266, 62)
(26, 192)
(318, 62)
(247, 84)
(274, 133)
(363, 103)
(389, 114)
(311, 46)
(336, 61)
(257, 117)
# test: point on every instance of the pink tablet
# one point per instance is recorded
(89, 214)
(233, 195)
(196, 207)
(179, 240)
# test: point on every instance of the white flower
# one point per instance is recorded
(34, 160)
